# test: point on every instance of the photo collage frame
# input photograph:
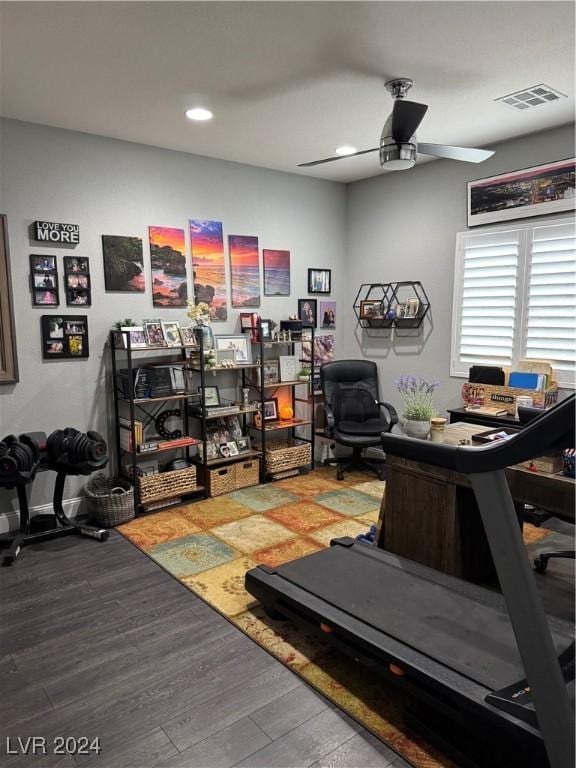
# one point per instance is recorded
(77, 281)
(65, 337)
(44, 281)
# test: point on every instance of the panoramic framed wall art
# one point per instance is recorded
(536, 191)
(244, 270)
(123, 263)
(168, 260)
(207, 244)
(8, 356)
(276, 272)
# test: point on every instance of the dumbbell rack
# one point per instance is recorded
(48, 526)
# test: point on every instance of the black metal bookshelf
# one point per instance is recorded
(123, 358)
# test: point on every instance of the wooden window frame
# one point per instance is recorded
(8, 355)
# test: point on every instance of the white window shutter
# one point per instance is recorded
(485, 299)
(550, 313)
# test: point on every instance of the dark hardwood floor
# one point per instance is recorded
(97, 641)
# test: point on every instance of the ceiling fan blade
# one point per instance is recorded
(466, 154)
(406, 117)
(338, 157)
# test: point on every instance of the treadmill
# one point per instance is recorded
(489, 677)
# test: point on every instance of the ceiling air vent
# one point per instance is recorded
(534, 96)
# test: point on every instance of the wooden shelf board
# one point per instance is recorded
(225, 415)
(228, 459)
(161, 450)
(288, 424)
(141, 400)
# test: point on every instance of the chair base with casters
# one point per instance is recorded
(541, 562)
(357, 461)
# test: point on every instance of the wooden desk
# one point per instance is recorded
(462, 416)
(429, 514)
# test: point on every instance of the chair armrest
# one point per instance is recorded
(329, 417)
(393, 414)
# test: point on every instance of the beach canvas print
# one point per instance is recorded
(167, 255)
(123, 263)
(207, 243)
(244, 270)
(276, 272)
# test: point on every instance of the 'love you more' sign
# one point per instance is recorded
(53, 232)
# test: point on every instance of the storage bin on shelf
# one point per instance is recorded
(283, 455)
(246, 473)
(219, 480)
(167, 485)
(504, 396)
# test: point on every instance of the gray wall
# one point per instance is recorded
(114, 187)
(402, 226)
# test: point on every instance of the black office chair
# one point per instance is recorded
(525, 416)
(356, 418)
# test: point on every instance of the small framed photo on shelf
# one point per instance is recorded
(319, 281)
(270, 372)
(232, 448)
(211, 396)
(412, 307)
(77, 277)
(64, 336)
(371, 309)
(44, 281)
(289, 367)
(249, 324)
(154, 333)
(136, 335)
(171, 330)
(238, 343)
(243, 444)
(308, 312)
(271, 409)
(266, 328)
(188, 337)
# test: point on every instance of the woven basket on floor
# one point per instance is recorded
(220, 480)
(286, 454)
(247, 473)
(110, 500)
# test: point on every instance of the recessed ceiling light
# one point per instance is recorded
(199, 113)
(346, 150)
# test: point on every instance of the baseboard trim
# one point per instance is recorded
(10, 521)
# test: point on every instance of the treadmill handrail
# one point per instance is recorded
(553, 430)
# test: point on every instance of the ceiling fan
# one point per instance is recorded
(398, 145)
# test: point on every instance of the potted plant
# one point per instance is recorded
(304, 375)
(417, 395)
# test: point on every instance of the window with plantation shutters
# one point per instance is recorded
(515, 297)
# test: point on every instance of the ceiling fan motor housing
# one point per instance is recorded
(396, 156)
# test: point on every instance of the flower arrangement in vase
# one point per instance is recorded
(418, 396)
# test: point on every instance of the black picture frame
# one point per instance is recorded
(44, 280)
(65, 337)
(215, 395)
(266, 329)
(308, 312)
(320, 281)
(268, 401)
(77, 269)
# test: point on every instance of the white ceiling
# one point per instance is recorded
(288, 82)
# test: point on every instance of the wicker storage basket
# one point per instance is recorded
(246, 473)
(282, 455)
(220, 480)
(493, 395)
(110, 500)
(167, 485)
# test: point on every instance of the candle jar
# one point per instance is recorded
(437, 430)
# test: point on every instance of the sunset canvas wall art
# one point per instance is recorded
(276, 272)
(168, 259)
(207, 243)
(123, 263)
(244, 270)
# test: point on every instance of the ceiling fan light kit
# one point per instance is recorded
(399, 148)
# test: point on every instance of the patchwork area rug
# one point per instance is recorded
(209, 546)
